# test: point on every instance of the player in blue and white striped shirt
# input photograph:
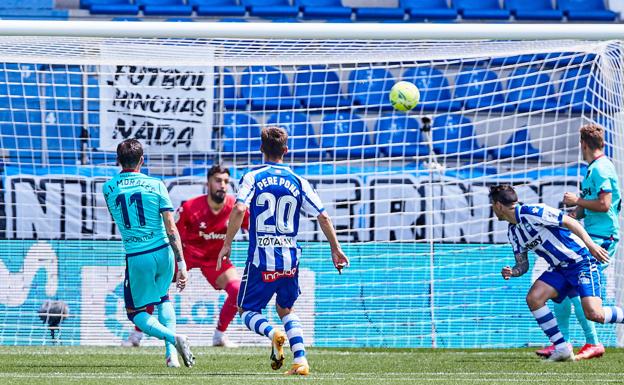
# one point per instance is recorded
(276, 196)
(571, 254)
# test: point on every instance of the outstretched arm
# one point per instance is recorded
(234, 224)
(176, 246)
(575, 227)
(520, 268)
(338, 256)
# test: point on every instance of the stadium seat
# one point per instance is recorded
(586, 10)
(240, 134)
(284, 20)
(379, 13)
(20, 135)
(428, 10)
(110, 7)
(480, 89)
(302, 142)
(481, 9)
(370, 87)
(164, 7)
(344, 135)
(126, 18)
(399, 135)
(93, 93)
(531, 89)
(217, 8)
(435, 94)
(230, 101)
(18, 86)
(233, 20)
(63, 87)
(578, 90)
(454, 135)
(63, 136)
(323, 9)
(266, 88)
(533, 10)
(518, 146)
(318, 87)
(271, 8)
(515, 60)
(608, 124)
(566, 59)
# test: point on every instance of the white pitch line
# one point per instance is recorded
(317, 375)
(257, 377)
(241, 352)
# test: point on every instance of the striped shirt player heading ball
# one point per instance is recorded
(276, 196)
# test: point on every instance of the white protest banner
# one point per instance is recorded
(168, 109)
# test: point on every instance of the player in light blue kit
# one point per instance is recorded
(143, 212)
(599, 205)
(275, 196)
(571, 254)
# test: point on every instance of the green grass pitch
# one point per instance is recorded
(246, 366)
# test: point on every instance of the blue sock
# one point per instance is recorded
(167, 317)
(150, 326)
(562, 314)
(548, 323)
(257, 323)
(589, 329)
(613, 314)
(292, 325)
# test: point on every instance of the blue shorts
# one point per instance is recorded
(257, 288)
(148, 277)
(582, 278)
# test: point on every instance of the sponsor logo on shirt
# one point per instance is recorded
(279, 241)
(212, 236)
(272, 276)
(133, 239)
(533, 243)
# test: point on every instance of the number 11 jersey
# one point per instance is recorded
(275, 196)
(135, 201)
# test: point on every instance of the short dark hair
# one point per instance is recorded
(504, 194)
(274, 141)
(129, 153)
(593, 136)
(218, 169)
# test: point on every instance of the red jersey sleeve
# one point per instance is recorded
(182, 221)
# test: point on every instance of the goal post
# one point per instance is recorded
(407, 191)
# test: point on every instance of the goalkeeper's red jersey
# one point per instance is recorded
(202, 231)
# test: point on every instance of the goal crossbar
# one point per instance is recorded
(368, 31)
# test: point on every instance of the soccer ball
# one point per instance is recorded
(404, 96)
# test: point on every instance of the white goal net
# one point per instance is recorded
(410, 205)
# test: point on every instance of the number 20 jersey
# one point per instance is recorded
(135, 202)
(275, 196)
